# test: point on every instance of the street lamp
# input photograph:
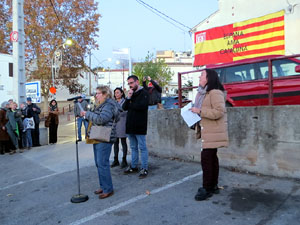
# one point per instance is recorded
(56, 61)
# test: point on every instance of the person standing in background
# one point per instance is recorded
(12, 127)
(33, 111)
(120, 131)
(4, 137)
(53, 113)
(136, 104)
(81, 119)
(28, 126)
(154, 91)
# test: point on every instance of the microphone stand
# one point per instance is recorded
(78, 198)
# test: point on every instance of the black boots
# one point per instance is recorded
(124, 163)
(115, 163)
(203, 194)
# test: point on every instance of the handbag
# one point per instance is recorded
(47, 121)
(100, 133)
(28, 123)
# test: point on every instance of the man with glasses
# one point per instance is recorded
(136, 104)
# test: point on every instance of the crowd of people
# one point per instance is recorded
(127, 116)
(19, 126)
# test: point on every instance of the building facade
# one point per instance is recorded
(6, 77)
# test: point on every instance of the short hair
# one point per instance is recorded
(122, 92)
(4, 104)
(105, 90)
(134, 77)
(213, 81)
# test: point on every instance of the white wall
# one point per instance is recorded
(6, 82)
(113, 78)
(231, 11)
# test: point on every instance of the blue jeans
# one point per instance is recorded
(138, 142)
(27, 139)
(151, 107)
(79, 125)
(101, 153)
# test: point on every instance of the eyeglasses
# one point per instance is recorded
(132, 82)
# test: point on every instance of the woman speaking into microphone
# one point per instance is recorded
(105, 114)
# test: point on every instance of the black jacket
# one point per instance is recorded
(154, 92)
(34, 114)
(137, 115)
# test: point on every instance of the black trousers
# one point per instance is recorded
(124, 148)
(35, 134)
(53, 132)
(210, 168)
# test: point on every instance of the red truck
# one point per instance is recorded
(271, 80)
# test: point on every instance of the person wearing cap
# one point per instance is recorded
(81, 119)
(33, 111)
(154, 91)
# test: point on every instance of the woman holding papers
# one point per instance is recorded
(210, 105)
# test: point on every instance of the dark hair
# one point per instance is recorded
(134, 77)
(122, 92)
(213, 81)
(53, 100)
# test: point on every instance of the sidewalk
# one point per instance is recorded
(37, 185)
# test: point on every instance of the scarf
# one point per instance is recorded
(53, 107)
(200, 97)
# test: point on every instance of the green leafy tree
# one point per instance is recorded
(157, 69)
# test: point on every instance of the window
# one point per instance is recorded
(240, 73)
(11, 69)
(285, 67)
(280, 68)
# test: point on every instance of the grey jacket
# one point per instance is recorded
(121, 124)
(84, 104)
(104, 115)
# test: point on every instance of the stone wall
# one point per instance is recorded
(263, 140)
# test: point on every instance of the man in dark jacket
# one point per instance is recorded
(80, 119)
(136, 104)
(33, 111)
(154, 91)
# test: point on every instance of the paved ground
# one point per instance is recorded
(37, 185)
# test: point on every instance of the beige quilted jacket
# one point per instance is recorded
(214, 132)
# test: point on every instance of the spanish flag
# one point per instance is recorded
(248, 39)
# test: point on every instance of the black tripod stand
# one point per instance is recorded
(78, 198)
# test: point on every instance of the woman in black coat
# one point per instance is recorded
(53, 118)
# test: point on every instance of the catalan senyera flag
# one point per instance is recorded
(248, 39)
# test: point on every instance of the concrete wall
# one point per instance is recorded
(263, 140)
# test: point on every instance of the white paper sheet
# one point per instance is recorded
(188, 116)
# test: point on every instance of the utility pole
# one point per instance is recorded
(18, 52)
(90, 76)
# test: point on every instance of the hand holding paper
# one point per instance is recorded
(188, 116)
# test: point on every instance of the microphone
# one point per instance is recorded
(75, 98)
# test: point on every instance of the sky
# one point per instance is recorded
(128, 24)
